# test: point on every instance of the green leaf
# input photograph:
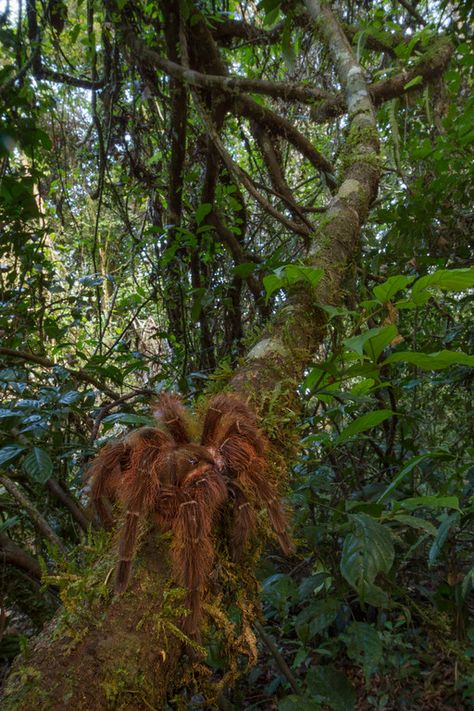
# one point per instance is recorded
(291, 274)
(202, 211)
(363, 423)
(38, 465)
(5, 414)
(295, 273)
(467, 583)
(127, 418)
(301, 656)
(409, 466)
(358, 343)
(386, 291)
(366, 552)
(432, 361)
(245, 270)
(447, 279)
(375, 345)
(334, 311)
(271, 283)
(71, 397)
(9, 523)
(10, 452)
(315, 618)
(413, 522)
(441, 536)
(199, 295)
(298, 703)
(364, 646)
(414, 82)
(429, 502)
(271, 17)
(333, 686)
(91, 280)
(290, 703)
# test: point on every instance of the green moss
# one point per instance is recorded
(23, 684)
(83, 586)
(359, 138)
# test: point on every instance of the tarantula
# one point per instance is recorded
(183, 485)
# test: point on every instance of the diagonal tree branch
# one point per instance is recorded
(38, 520)
(80, 375)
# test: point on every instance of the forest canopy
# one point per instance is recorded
(268, 204)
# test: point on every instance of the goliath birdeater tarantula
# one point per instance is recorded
(183, 485)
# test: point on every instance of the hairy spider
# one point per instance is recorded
(183, 485)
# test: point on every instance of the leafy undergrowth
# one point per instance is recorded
(375, 611)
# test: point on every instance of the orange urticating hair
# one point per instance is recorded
(160, 471)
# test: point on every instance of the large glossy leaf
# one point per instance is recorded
(363, 423)
(38, 465)
(357, 343)
(291, 274)
(412, 521)
(70, 398)
(386, 291)
(447, 279)
(315, 618)
(432, 361)
(429, 502)
(375, 345)
(409, 466)
(10, 452)
(441, 536)
(244, 270)
(202, 211)
(367, 551)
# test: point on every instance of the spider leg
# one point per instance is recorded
(244, 521)
(201, 494)
(149, 459)
(105, 474)
(228, 415)
(169, 411)
(249, 469)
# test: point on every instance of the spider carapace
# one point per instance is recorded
(161, 473)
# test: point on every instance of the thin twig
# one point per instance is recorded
(275, 652)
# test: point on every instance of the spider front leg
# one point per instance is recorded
(140, 488)
(244, 521)
(105, 473)
(249, 469)
(201, 494)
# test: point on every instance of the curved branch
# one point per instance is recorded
(14, 555)
(273, 162)
(38, 520)
(69, 502)
(76, 374)
(429, 66)
(413, 11)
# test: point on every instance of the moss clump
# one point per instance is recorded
(23, 684)
(83, 585)
(361, 146)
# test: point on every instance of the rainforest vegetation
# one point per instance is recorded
(270, 203)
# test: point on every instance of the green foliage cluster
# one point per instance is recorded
(379, 601)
